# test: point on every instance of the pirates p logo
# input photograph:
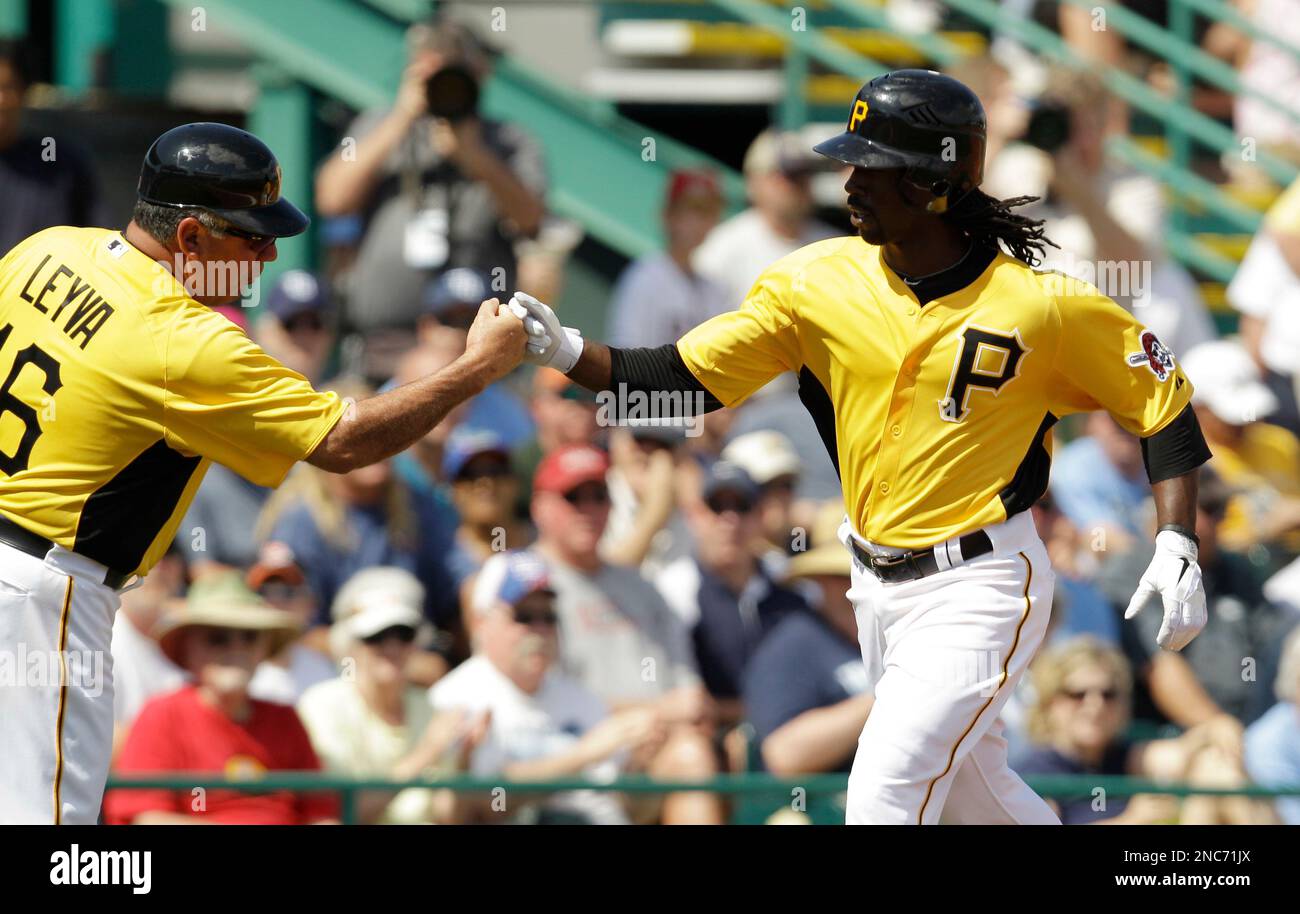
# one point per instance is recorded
(987, 360)
(859, 114)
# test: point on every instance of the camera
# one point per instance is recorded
(452, 93)
(1049, 125)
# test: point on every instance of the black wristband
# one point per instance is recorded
(1180, 529)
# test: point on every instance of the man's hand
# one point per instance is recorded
(1175, 575)
(496, 339)
(549, 344)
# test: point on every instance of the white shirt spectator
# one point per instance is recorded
(527, 727)
(740, 249)
(140, 670)
(656, 302)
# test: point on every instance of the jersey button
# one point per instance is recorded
(896, 431)
(884, 487)
(911, 312)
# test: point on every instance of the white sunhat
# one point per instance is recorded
(1227, 382)
(375, 599)
(764, 455)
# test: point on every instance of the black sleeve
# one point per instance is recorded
(1176, 449)
(658, 369)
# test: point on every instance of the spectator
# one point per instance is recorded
(1206, 679)
(297, 326)
(1083, 692)
(213, 535)
(436, 187)
(1258, 461)
(140, 669)
(1079, 607)
(420, 466)
(806, 690)
(646, 530)
(1265, 291)
(1099, 482)
(44, 181)
(1273, 742)
(1273, 72)
(771, 461)
(374, 724)
(660, 296)
(428, 661)
(287, 674)
(544, 725)
(564, 413)
(476, 466)
(620, 639)
(721, 591)
(213, 726)
(778, 179)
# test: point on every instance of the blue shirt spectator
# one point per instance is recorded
(1272, 755)
(1099, 480)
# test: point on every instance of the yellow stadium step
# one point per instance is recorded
(1231, 245)
(1214, 294)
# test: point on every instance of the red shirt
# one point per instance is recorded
(180, 732)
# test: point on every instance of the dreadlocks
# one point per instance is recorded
(987, 218)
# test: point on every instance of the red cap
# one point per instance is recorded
(275, 561)
(566, 468)
(689, 182)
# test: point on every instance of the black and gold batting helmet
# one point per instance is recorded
(929, 124)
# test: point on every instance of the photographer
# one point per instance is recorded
(436, 185)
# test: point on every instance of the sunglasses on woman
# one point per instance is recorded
(403, 634)
(1077, 695)
(225, 637)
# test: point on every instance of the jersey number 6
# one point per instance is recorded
(9, 403)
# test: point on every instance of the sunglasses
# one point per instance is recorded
(1077, 695)
(493, 470)
(403, 634)
(310, 322)
(225, 637)
(540, 617)
(587, 495)
(720, 504)
(258, 242)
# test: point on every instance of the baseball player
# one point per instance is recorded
(118, 386)
(935, 362)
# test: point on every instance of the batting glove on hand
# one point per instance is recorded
(549, 344)
(1175, 575)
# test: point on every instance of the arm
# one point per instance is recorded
(382, 426)
(817, 740)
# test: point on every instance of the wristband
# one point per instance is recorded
(1182, 531)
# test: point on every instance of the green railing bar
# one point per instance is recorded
(1200, 256)
(403, 10)
(1214, 9)
(1180, 52)
(1205, 129)
(811, 41)
(936, 47)
(1186, 183)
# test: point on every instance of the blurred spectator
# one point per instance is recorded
(784, 411)
(44, 180)
(214, 534)
(543, 724)
(620, 639)
(219, 636)
(1078, 606)
(1265, 291)
(660, 296)
(1099, 481)
(437, 185)
(721, 592)
(140, 669)
(476, 465)
(427, 662)
(1209, 678)
(806, 690)
(1273, 742)
(374, 724)
(285, 675)
(1274, 72)
(778, 179)
(564, 413)
(771, 461)
(420, 466)
(1259, 462)
(297, 326)
(1083, 693)
(645, 531)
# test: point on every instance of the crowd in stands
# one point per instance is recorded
(528, 594)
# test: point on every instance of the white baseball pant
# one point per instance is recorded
(56, 687)
(945, 653)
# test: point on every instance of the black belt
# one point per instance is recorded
(919, 564)
(37, 546)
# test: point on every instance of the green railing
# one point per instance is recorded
(741, 786)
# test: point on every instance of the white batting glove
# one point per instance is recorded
(549, 344)
(1176, 576)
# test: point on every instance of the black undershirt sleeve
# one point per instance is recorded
(1176, 449)
(657, 369)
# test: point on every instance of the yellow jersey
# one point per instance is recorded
(116, 391)
(938, 416)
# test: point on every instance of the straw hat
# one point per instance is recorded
(224, 601)
(828, 555)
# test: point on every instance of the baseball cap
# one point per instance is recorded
(779, 151)
(565, 468)
(508, 577)
(457, 286)
(464, 444)
(765, 455)
(377, 611)
(1227, 382)
(724, 476)
(693, 183)
(296, 292)
(275, 562)
(372, 600)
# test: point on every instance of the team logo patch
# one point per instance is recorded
(1155, 355)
